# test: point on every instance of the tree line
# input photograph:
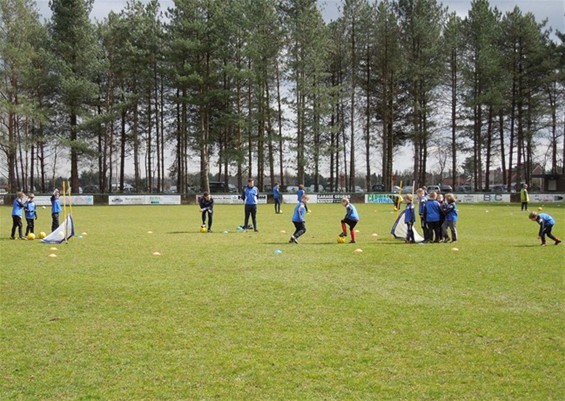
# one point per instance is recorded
(256, 87)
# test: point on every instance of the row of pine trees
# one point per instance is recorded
(258, 87)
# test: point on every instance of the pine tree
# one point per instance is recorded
(76, 51)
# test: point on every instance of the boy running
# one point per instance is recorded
(351, 219)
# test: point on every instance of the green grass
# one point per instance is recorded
(222, 317)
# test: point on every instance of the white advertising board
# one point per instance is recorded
(78, 200)
(547, 198)
(481, 198)
(116, 200)
(331, 198)
(233, 199)
(293, 199)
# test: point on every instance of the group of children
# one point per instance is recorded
(350, 219)
(23, 205)
(438, 214)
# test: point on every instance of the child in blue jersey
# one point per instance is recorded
(546, 223)
(300, 193)
(250, 195)
(298, 219)
(31, 214)
(432, 216)
(17, 212)
(55, 210)
(449, 209)
(409, 218)
(277, 197)
(206, 203)
(351, 219)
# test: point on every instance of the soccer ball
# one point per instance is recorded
(31, 236)
(42, 235)
(340, 240)
(203, 229)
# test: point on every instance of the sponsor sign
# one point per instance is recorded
(331, 198)
(234, 199)
(480, 198)
(78, 200)
(116, 200)
(547, 197)
(312, 198)
(380, 198)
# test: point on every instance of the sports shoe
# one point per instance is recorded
(23, 238)
(256, 230)
(12, 237)
(352, 241)
(342, 234)
(557, 242)
(293, 240)
(542, 244)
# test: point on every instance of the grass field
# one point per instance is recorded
(223, 317)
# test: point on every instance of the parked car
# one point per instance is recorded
(312, 187)
(91, 189)
(444, 188)
(434, 188)
(499, 188)
(378, 187)
(128, 188)
(218, 187)
(463, 189)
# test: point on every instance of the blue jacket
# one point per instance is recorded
(55, 204)
(299, 213)
(276, 192)
(31, 213)
(432, 212)
(250, 195)
(450, 211)
(351, 213)
(409, 213)
(17, 207)
(299, 194)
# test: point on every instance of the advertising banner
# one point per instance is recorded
(482, 198)
(293, 199)
(115, 200)
(331, 198)
(233, 199)
(78, 200)
(380, 198)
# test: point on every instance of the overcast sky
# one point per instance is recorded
(552, 10)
